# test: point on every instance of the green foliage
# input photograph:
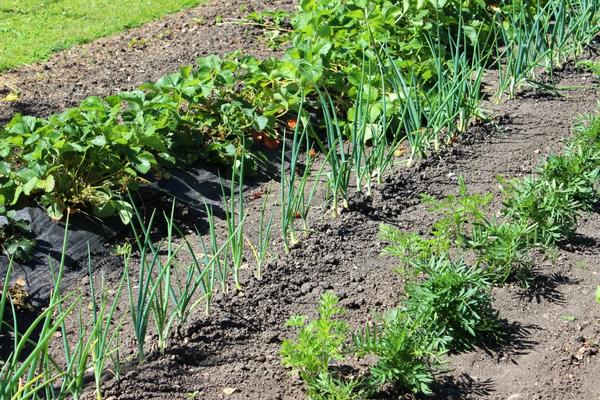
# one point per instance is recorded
(167, 290)
(410, 247)
(552, 206)
(32, 31)
(406, 353)
(540, 35)
(319, 342)
(15, 235)
(275, 25)
(504, 248)
(587, 132)
(578, 169)
(235, 215)
(348, 30)
(456, 211)
(590, 65)
(29, 370)
(331, 388)
(422, 66)
(598, 295)
(454, 300)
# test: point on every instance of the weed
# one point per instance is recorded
(199, 20)
(568, 318)
(598, 295)
(590, 65)
(137, 43)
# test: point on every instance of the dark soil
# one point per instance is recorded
(123, 62)
(552, 328)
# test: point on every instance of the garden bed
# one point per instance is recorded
(552, 327)
(550, 330)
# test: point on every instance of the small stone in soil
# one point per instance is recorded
(306, 287)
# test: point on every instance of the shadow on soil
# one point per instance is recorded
(458, 388)
(546, 287)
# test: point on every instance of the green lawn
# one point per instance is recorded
(31, 30)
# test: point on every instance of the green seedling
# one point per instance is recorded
(338, 158)
(568, 318)
(105, 326)
(578, 170)
(550, 205)
(543, 36)
(504, 248)
(296, 197)
(318, 343)
(29, 371)
(411, 247)
(235, 215)
(590, 65)
(265, 228)
(213, 267)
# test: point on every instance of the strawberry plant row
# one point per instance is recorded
(87, 158)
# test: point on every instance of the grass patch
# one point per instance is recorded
(31, 30)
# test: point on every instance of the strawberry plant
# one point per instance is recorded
(15, 235)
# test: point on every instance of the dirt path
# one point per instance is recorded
(550, 326)
(110, 65)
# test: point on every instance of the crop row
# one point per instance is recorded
(448, 306)
(355, 119)
(408, 71)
